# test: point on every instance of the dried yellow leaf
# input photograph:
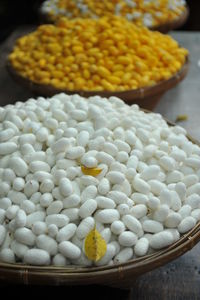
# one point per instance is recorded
(95, 245)
(181, 118)
(91, 171)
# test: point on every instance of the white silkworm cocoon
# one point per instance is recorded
(104, 186)
(65, 187)
(107, 216)
(167, 162)
(89, 180)
(59, 220)
(7, 255)
(74, 152)
(150, 172)
(66, 233)
(6, 134)
(193, 189)
(176, 201)
(69, 250)
(38, 257)
(161, 213)
(20, 218)
(115, 177)
(55, 207)
(60, 261)
(186, 224)
(89, 192)
(139, 198)
(28, 206)
(193, 200)
(124, 255)
(85, 226)
(71, 213)
(185, 211)
(132, 223)
(180, 188)
(83, 138)
(127, 239)
(105, 158)
(110, 148)
(122, 146)
(161, 239)
(166, 197)
(123, 209)
(46, 199)
(34, 217)
(156, 186)
(152, 226)
(71, 201)
(9, 175)
(173, 219)
(87, 208)
(7, 148)
(106, 234)
(141, 247)
(61, 145)
(117, 227)
(118, 197)
(52, 230)
(140, 185)
(25, 236)
(12, 212)
(39, 227)
(189, 180)
(19, 166)
(18, 184)
(193, 162)
(196, 214)
(138, 211)
(18, 249)
(47, 243)
(36, 166)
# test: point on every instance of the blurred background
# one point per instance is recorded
(19, 12)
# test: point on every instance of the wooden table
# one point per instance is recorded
(179, 279)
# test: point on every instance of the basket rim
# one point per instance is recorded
(148, 262)
(141, 93)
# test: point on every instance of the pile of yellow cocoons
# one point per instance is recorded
(106, 54)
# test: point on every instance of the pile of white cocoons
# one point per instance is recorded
(145, 197)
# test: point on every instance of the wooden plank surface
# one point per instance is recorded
(179, 279)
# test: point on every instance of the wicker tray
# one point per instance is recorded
(164, 28)
(146, 97)
(119, 275)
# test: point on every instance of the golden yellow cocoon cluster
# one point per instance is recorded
(150, 13)
(95, 55)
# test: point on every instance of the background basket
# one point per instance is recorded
(164, 28)
(119, 275)
(146, 97)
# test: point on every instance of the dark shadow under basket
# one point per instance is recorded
(146, 97)
(119, 275)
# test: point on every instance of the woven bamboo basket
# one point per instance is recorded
(119, 275)
(146, 97)
(164, 28)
